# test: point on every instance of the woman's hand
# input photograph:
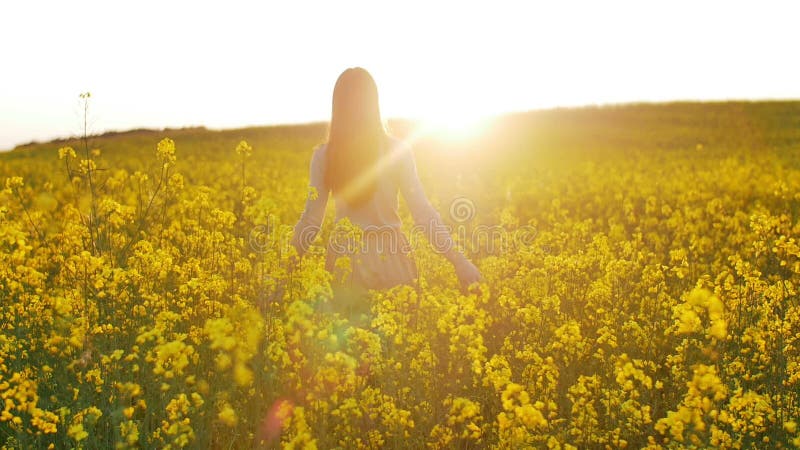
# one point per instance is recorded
(467, 274)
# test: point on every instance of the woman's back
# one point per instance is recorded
(382, 258)
(379, 210)
(365, 169)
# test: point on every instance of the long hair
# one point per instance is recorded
(355, 137)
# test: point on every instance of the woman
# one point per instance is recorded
(365, 169)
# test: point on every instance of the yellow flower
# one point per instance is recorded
(66, 152)
(13, 183)
(130, 432)
(227, 415)
(243, 149)
(77, 432)
(165, 151)
(242, 375)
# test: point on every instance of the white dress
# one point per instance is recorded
(384, 258)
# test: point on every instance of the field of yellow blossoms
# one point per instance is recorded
(641, 291)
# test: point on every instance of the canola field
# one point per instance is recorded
(641, 266)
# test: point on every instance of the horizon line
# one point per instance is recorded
(488, 116)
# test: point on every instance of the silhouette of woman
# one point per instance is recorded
(365, 168)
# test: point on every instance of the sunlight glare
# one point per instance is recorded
(452, 125)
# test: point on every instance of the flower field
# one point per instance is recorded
(641, 266)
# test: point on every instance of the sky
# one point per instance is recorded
(230, 64)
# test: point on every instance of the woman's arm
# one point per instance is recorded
(426, 217)
(307, 228)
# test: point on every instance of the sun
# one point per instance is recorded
(452, 125)
(442, 111)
